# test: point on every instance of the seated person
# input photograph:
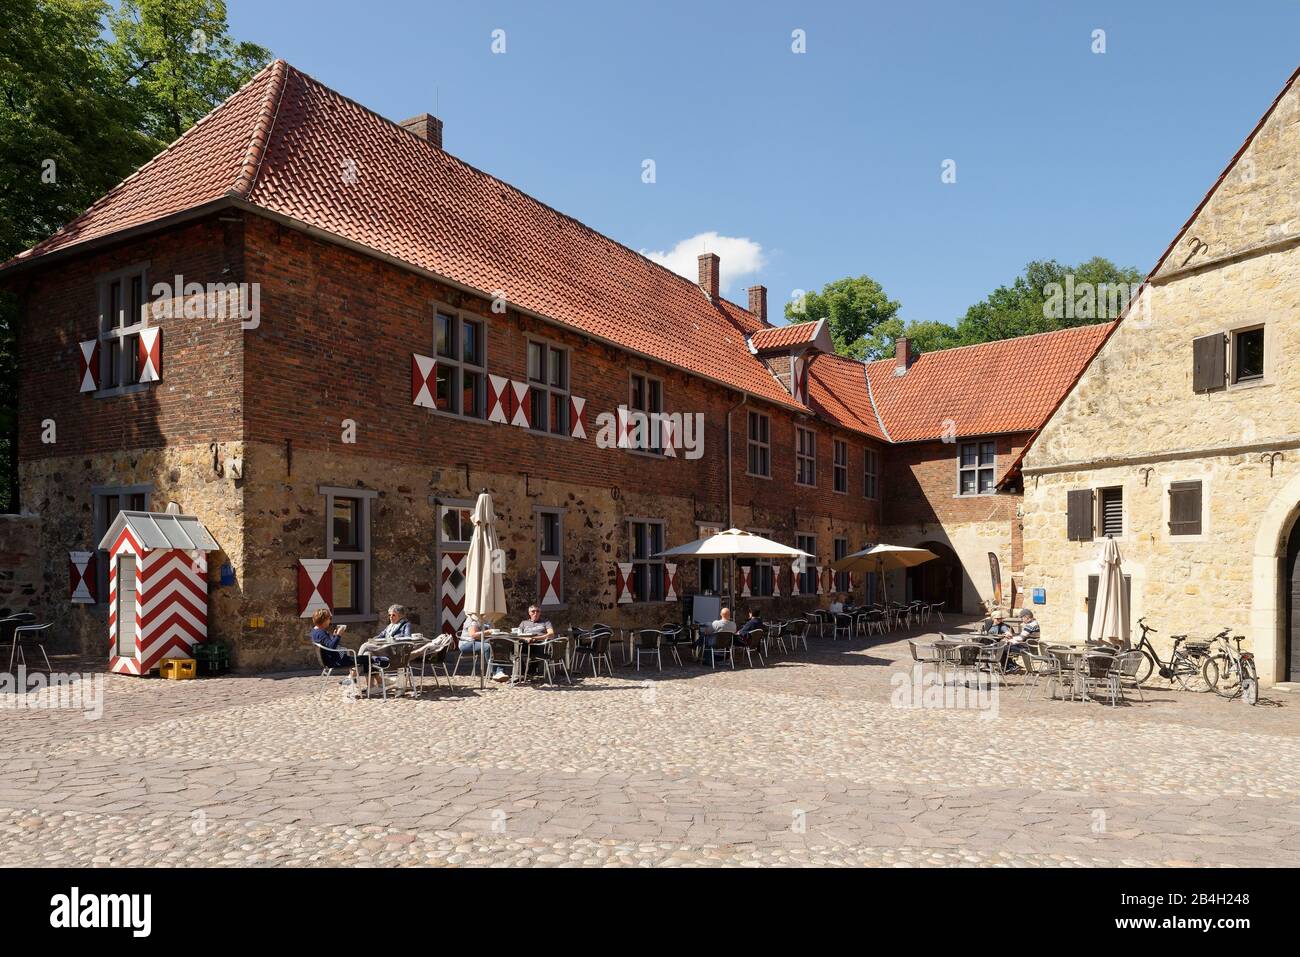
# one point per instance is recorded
(723, 625)
(473, 641)
(996, 626)
(535, 627)
(837, 606)
(1030, 630)
(398, 626)
(752, 624)
(329, 640)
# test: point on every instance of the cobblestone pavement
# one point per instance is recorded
(810, 761)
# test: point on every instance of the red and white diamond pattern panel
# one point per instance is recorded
(424, 374)
(82, 582)
(668, 433)
(548, 581)
(776, 581)
(795, 567)
(88, 365)
(820, 579)
(451, 586)
(577, 417)
(746, 577)
(315, 586)
(670, 581)
(173, 598)
(623, 582)
(498, 399)
(150, 362)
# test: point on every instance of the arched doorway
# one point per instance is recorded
(939, 580)
(1289, 665)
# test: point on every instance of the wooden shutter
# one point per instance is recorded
(1209, 362)
(1079, 521)
(1185, 508)
(1112, 511)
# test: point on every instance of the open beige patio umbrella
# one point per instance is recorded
(732, 544)
(883, 558)
(485, 590)
(1110, 617)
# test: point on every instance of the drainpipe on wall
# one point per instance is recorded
(741, 404)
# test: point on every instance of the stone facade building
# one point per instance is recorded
(1180, 440)
(323, 335)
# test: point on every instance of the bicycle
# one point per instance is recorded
(1189, 662)
(1234, 670)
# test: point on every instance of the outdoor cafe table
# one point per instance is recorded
(1071, 656)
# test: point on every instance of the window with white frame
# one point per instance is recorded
(975, 467)
(760, 445)
(347, 545)
(871, 474)
(761, 571)
(460, 346)
(122, 314)
(710, 568)
(646, 396)
(646, 539)
(548, 386)
(805, 456)
(840, 472)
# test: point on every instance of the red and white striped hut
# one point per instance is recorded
(157, 588)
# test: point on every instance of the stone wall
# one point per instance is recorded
(1133, 421)
(21, 573)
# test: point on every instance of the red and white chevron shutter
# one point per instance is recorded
(150, 359)
(498, 399)
(451, 584)
(88, 365)
(820, 579)
(315, 586)
(521, 410)
(794, 578)
(577, 417)
(424, 381)
(670, 581)
(123, 664)
(548, 582)
(172, 591)
(82, 580)
(746, 578)
(623, 582)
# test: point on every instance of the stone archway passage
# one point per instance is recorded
(1268, 612)
(938, 580)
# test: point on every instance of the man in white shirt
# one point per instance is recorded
(723, 625)
(837, 606)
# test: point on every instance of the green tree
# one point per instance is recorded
(78, 114)
(177, 60)
(854, 308)
(1048, 296)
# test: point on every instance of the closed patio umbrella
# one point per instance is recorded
(485, 591)
(732, 544)
(1110, 617)
(883, 558)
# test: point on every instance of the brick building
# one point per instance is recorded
(322, 334)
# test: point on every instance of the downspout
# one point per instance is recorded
(739, 405)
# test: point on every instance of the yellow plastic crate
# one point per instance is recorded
(179, 669)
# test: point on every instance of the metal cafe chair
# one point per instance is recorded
(36, 634)
(597, 650)
(797, 631)
(648, 643)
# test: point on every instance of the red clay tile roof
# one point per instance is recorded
(1012, 385)
(285, 142)
(783, 337)
(837, 390)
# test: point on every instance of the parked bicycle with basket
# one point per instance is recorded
(1190, 662)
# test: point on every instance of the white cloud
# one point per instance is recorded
(739, 257)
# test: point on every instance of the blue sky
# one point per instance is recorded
(828, 162)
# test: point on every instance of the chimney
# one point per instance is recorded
(758, 302)
(903, 357)
(426, 127)
(710, 265)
